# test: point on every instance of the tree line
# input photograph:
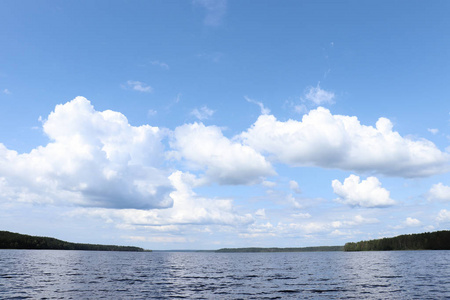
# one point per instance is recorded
(11, 240)
(438, 240)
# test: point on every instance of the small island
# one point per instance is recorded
(438, 240)
(11, 240)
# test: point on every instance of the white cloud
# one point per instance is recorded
(337, 232)
(307, 228)
(293, 185)
(355, 221)
(412, 222)
(94, 159)
(269, 184)
(366, 193)
(203, 113)
(151, 112)
(359, 220)
(264, 110)
(188, 209)
(319, 96)
(138, 86)
(443, 216)
(160, 64)
(439, 192)
(225, 161)
(298, 229)
(433, 130)
(409, 222)
(336, 141)
(215, 10)
(7, 92)
(259, 230)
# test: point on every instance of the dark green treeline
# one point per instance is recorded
(10, 240)
(439, 240)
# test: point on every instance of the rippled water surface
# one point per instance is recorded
(40, 274)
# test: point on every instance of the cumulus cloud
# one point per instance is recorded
(264, 110)
(215, 10)
(188, 209)
(6, 92)
(203, 113)
(138, 86)
(94, 159)
(225, 161)
(319, 96)
(366, 193)
(337, 141)
(439, 191)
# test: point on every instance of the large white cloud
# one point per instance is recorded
(188, 209)
(337, 141)
(225, 161)
(366, 193)
(94, 159)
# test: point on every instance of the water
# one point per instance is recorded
(40, 274)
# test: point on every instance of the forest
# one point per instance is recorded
(438, 240)
(10, 240)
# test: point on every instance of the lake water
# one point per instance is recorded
(52, 274)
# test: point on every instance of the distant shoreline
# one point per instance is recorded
(11, 240)
(438, 240)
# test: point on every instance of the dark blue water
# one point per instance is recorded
(38, 274)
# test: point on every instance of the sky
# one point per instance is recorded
(207, 124)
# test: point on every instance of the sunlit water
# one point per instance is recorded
(38, 274)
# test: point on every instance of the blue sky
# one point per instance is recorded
(211, 123)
